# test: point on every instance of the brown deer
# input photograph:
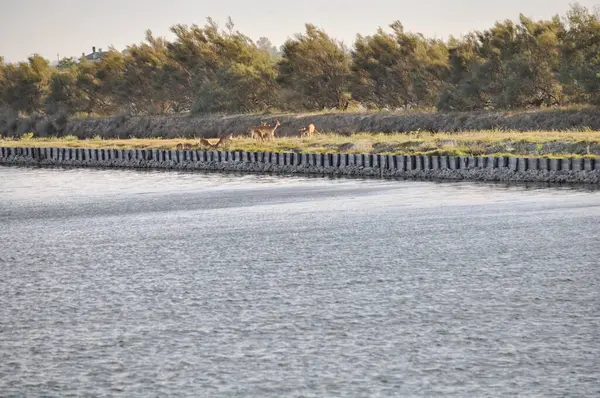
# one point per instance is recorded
(206, 143)
(265, 131)
(225, 140)
(184, 146)
(307, 131)
(257, 134)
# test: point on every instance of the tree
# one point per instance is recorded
(3, 83)
(315, 68)
(222, 71)
(194, 57)
(62, 96)
(532, 70)
(265, 44)
(98, 84)
(462, 91)
(398, 69)
(205, 69)
(66, 63)
(580, 55)
(507, 66)
(142, 86)
(25, 84)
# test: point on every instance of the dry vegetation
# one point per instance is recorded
(212, 126)
(490, 142)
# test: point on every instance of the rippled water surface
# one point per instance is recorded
(133, 283)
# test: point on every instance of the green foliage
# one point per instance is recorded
(398, 70)
(139, 74)
(240, 76)
(67, 63)
(508, 66)
(23, 86)
(264, 44)
(580, 55)
(62, 95)
(316, 69)
(512, 65)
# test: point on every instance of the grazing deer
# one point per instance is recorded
(265, 131)
(307, 131)
(257, 134)
(225, 140)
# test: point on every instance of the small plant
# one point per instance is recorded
(70, 138)
(26, 136)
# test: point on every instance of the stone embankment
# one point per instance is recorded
(488, 168)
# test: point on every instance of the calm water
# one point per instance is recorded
(128, 283)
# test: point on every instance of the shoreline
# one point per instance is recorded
(452, 168)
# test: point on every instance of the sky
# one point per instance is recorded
(64, 28)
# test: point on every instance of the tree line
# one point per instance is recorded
(512, 65)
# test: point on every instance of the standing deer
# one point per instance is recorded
(266, 131)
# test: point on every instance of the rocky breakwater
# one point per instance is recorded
(482, 168)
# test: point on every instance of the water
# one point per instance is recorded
(129, 283)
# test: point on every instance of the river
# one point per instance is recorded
(151, 283)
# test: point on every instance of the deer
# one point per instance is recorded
(265, 131)
(225, 140)
(257, 134)
(307, 131)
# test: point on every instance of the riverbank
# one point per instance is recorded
(479, 143)
(476, 168)
(189, 126)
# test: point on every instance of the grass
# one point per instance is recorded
(489, 142)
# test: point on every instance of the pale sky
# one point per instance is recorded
(70, 27)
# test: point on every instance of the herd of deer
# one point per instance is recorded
(261, 133)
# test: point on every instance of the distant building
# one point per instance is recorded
(94, 56)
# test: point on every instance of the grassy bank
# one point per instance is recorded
(167, 127)
(490, 142)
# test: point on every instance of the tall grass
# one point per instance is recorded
(388, 122)
(489, 142)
